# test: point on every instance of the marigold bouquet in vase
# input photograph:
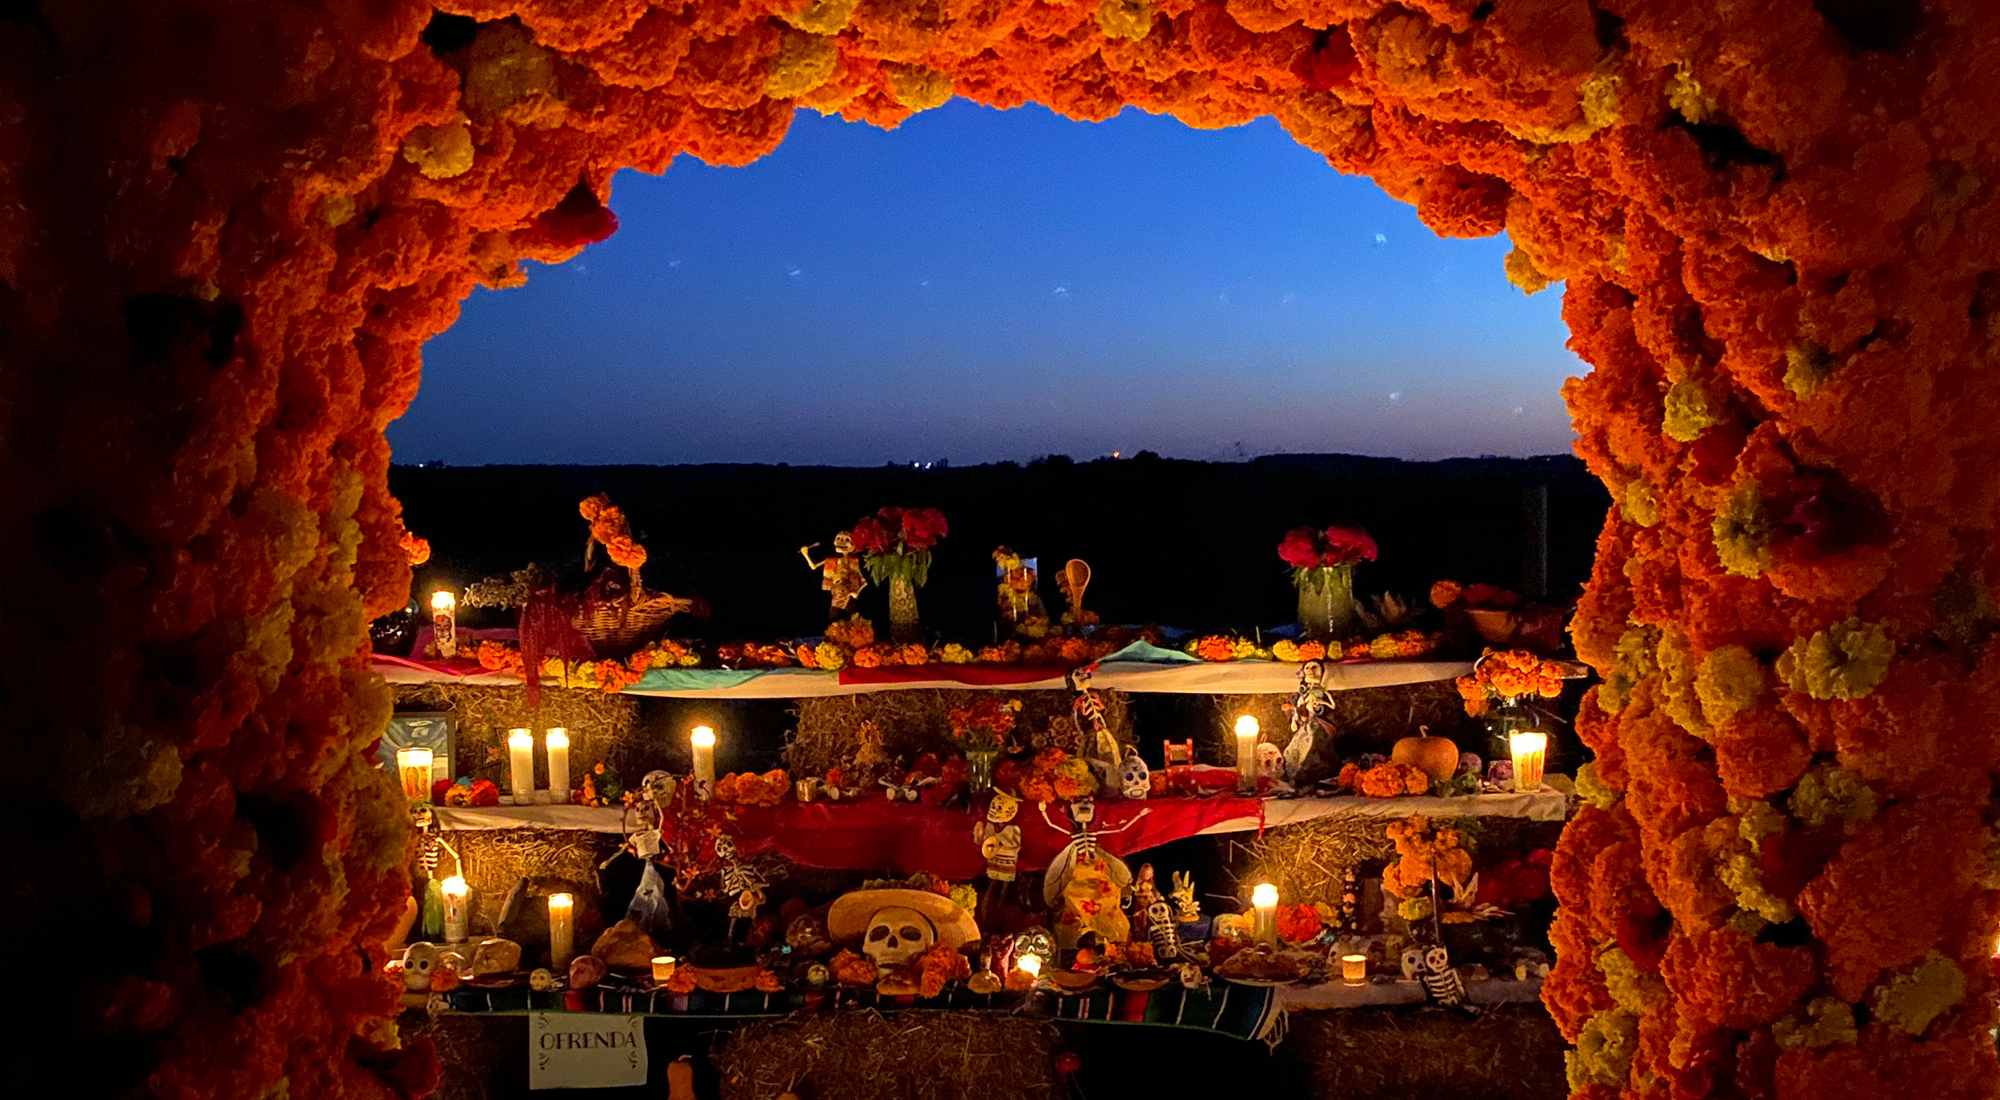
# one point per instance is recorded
(895, 545)
(983, 730)
(1323, 564)
(1498, 690)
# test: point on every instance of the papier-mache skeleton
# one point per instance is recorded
(1311, 708)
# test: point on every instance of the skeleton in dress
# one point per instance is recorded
(1145, 892)
(1099, 747)
(744, 886)
(1082, 845)
(840, 572)
(1311, 707)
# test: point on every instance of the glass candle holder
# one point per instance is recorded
(1529, 749)
(1354, 969)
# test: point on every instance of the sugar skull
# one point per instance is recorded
(1134, 778)
(1270, 761)
(1470, 764)
(420, 961)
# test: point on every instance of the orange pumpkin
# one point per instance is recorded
(1437, 756)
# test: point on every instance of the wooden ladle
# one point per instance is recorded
(1076, 574)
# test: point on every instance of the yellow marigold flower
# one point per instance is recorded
(1131, 19)
(822, 16)
(1909, 1001)
(1242, 649)
(1740, 874)
(1807, 367)
(440, 152)
(1826, 1022)
(917, 87)
(1677, 664)
(830, 656)
(1521, 271)
(1830, 793)
(1604, 1050)
(804, 62)
(1594, 790)
(1630, 986)
(1742, 533)
(1284, 649)
(1845, 661)
(954, 654)
(1639, 505)
(1730, 680)
(1687, 411)
(1634, 661)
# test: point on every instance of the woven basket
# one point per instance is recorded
(618, 627)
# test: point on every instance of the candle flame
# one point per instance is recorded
(1031, 965)
(520, 739)
(454, 887)
(1247, 726)
(703, 737)
(560, 901)
(1265, 896)
(558, 738)
(442, 600)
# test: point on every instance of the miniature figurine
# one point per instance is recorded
(999, 838)
(1160, 929)
(1019, 602)
(1090, 915)
(541, 980)
(840, 573)
(1187, 909)
(1270, 761)
(744, 886)
(1442, 981)
(1311, 707)
(871, 760)
(420, 960)
(1145, 891)
(1082, 845)
(1099, 747)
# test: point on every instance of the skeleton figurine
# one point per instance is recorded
(1099, 747)
(840, 573)
(1441, 980)
(744, 886)
(1160, 929)
(1145, 891)
(1082, 845)
(999, 838)
(1311, 707)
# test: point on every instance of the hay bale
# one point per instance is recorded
(1370, 719)
(601, 727)
(917, 721)
(1508, 1052)
(862, 1055)
(1308, 861)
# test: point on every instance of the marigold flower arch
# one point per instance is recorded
(226, 230)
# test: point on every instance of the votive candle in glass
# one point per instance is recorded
(663, 969)
(1354, 969)
(1529, 748)
(1247, 732)
(444, 624)
(562, 931)
(413, 768)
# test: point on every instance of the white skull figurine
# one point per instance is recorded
(659, 787)
(897, 935)
(1133, 776)
(419, 960)
(1270, 760)
(541, 980)
(1413, 962)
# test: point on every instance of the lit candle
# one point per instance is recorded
(1031, 965)
(1354, 969)
(521, 753)
(456, 908)
(562, 934)
(444, 624)
(413, 767)
(1529, 748)
(703, 740)
(1246, 753)
(1264, 899)
(663, 968)
(558, 743)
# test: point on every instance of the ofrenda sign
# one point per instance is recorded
(585, 1050)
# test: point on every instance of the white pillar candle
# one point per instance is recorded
(562, 933)
(557, 741)
(413, 768)
(703, 740)
(1529, 748)
(521, 754)
(1264, 901)
(444, 624)
(457, 908)
(1246, 753)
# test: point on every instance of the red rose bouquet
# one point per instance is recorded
(896, 542)
(1309, 548)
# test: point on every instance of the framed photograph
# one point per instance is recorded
(431, 730)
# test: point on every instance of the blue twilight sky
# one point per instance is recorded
(981, 285)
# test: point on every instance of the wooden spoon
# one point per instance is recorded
(1077, 573)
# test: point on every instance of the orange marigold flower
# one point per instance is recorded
(1446, 593)
(1215, 647)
